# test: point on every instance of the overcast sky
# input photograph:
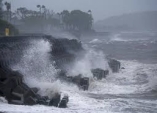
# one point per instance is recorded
(100, 8)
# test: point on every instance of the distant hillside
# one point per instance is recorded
(134, 21)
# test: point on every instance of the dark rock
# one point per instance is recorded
(84, 83)
(77, 79)
(81, 82)
(99, 73)
(30, 101)
(24, 94)
(42, 100)
(62, 75)
(74, 79)
(69, 79)
(35, 90)
(64, 101)
(55, 100)
(17, 92)
(65, 51)
(114, 65)
(1, 94)
(7, 86)
(29, 93)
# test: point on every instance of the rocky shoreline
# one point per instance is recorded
(64, 52)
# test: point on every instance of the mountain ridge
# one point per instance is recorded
(146, 20)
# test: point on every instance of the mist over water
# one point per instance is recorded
(91, 60)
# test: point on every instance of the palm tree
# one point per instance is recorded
(1, 9)
(44, 10)
(43, 6)
(39, 6)
(8, 7)
(89, 11)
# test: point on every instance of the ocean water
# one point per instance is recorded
(132, 90)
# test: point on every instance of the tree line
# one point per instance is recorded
(77, 19)
(68, 20)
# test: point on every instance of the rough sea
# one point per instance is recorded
(132, 90)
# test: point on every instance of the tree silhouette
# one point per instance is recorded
(89, 11)
(39, 6)
(1, 10)
(8, 7)
(66, 18)
(77, 20)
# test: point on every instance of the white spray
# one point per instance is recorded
(91, 60)
(37, 68)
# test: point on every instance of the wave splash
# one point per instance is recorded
(39, 69)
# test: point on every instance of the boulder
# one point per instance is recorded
(24, 95)
(55, 100)
(6, 88)
(30, 101)
(81, 82)
(64, 101)
(43, 101)
(64, 51)
(99, 73)
(84, 83)
(114, 65)
(35, 90)
(77, 79)
(73, 79)
(17, 92)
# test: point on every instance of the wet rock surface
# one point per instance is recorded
(63, 102)
(99, 73)
(17, 92)
(65, 51)
(115, 65)
(80, 81)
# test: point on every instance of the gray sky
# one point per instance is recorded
(100, 8)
